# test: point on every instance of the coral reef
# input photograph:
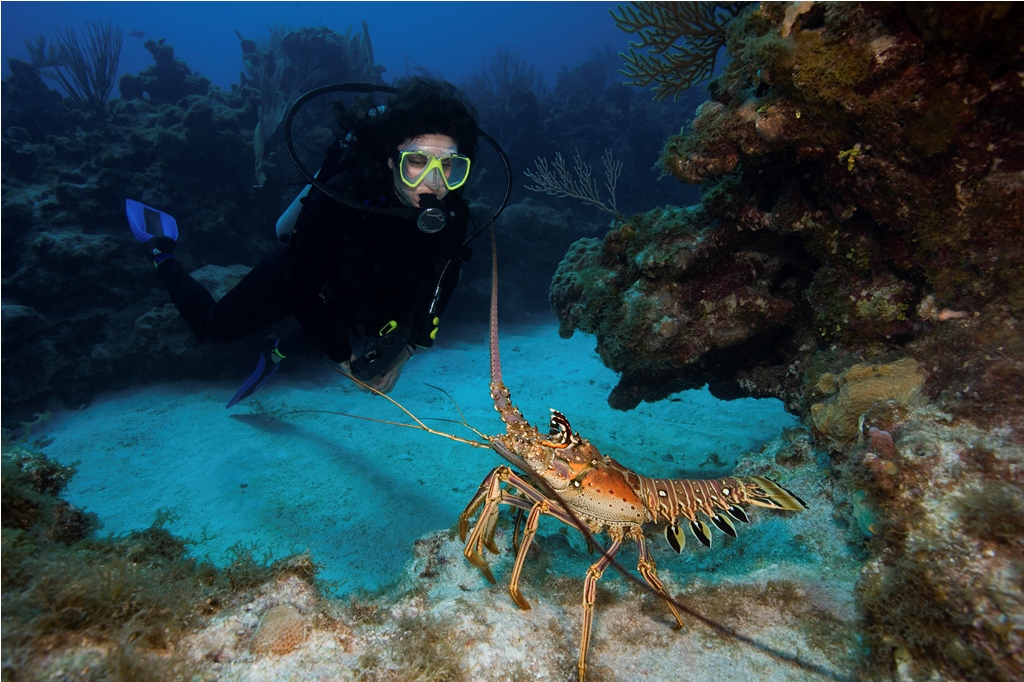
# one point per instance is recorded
(108, 608)
(858, 254)
(860, 387)
(668, 313)
(30, 108)
(86, 72)
(30, 500)
(942, 591)
(167, 81)
(289, 63)
(586, 112)
(853, 220)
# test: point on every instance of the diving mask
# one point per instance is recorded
(417, 166)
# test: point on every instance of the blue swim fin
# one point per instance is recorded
(147, 222)
(268, 363)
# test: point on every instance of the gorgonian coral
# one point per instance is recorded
(682, 41)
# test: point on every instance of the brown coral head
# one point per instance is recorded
(282, 629)
(860, 387)
(706, 113)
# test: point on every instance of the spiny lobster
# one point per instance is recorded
(567, 478)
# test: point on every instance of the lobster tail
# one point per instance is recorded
(767, 493)
(720, 500)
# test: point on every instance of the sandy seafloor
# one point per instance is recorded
(354, 493)
(358, 495)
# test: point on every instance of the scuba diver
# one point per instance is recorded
(373, 245)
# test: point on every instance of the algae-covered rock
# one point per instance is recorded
(870, 152)
(677, 302)
(165, 82)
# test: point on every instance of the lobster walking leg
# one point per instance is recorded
(590, 594)
(649, 570)
(490, 494)
(531, 530)
(515, 531)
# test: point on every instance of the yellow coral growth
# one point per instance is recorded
(859, 388)
(281, 630)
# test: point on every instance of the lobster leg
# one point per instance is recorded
(590, 594)
(516, 529)
(490, 495)
(477, 538)
(649, 571)
(487, 537)
(531, 529)
(474, 504)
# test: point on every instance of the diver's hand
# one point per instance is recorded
(386, 380)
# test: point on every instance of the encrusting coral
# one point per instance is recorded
(665, 316)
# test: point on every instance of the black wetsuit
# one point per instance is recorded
(344, 271)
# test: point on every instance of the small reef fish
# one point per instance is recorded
(137, 34)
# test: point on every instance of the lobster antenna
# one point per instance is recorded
(495, 352)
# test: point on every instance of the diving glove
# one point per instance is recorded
(269, 360)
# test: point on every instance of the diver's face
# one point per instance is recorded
(433, 144)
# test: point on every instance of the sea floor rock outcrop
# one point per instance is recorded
(676, 305)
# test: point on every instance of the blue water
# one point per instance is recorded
(450, 39)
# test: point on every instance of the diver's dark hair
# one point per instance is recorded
(421, 106)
